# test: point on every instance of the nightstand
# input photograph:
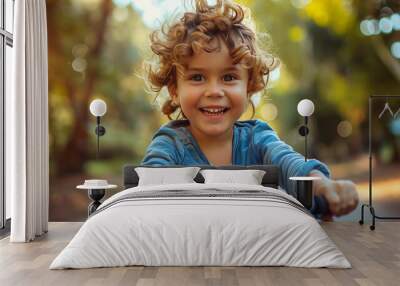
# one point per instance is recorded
(96, 190)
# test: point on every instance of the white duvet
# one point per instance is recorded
(183, 230)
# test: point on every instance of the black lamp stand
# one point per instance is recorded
(304, 187)
(303, 131)
(369, 205)
(100, 131)
(95, 195)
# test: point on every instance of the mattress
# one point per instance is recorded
(201, 225)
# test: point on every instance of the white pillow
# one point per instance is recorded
(163, 176)
(248, 177)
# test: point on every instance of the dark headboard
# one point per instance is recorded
(270, 179)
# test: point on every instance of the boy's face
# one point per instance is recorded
(212, 92)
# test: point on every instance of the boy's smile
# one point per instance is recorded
(214, 112)
(212, 93)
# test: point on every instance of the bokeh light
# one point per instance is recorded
(395, 18)
(364, 28)
(369, 27)
(395, 49)
(385, 25)
(395, 126)
(269, 112)
(79, 64)
(344, 128)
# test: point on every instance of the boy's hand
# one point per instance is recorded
(341, 195)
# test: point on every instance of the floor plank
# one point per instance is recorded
(374, 255)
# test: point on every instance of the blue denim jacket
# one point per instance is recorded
(254, 143)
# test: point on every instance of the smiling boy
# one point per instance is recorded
(212, 66)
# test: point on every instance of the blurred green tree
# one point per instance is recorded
(95, 51)
(327, 59)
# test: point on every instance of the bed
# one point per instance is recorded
(201, 224)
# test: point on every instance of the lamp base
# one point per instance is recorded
(305, 193)
(96, 195)
(305, 190)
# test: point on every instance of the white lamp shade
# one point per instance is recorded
(98, 107)
(305, 107)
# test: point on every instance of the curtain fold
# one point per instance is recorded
(27, 136)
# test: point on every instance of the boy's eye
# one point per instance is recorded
(196, 77)
(229, 77)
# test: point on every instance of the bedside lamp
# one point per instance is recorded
(305, 108)
(96, 188)
(98, 108)
(304, 184)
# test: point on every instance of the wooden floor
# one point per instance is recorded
(374, 255)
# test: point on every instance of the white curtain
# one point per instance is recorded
(27, 148)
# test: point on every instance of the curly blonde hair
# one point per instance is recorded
(195, 32)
